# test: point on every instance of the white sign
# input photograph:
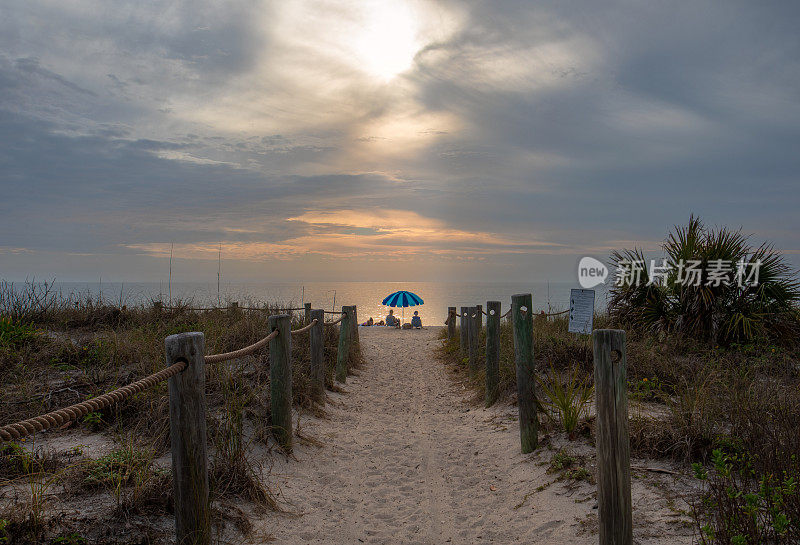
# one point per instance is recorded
(581, 311)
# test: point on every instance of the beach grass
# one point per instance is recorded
(55, 352)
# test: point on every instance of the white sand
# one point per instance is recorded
(407, 459)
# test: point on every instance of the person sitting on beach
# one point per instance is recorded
(391, 320)
(416, 321)
(368, 322)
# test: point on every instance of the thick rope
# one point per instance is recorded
(73, 412)
(43, 422)
(247, 350)
(337, 321)
(269, 309)
(210, 309)
(304, 329)
(555, 313)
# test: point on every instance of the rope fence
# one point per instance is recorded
(246, 351)
(306, 328)
(18, 430)
(234, 306)
(187, 406)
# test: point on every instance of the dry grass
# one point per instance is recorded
(55, 352)
(694, 402)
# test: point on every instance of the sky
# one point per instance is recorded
(397, 140)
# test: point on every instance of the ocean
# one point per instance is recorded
(552, 296)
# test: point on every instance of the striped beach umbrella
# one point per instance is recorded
(403, 299)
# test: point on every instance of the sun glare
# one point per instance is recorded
(387, 41)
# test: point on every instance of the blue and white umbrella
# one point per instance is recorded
(403, 299)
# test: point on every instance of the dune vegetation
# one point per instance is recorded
(114, 465)
(713, 383)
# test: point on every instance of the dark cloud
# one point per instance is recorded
(580, 124)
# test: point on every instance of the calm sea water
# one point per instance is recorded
(366, 295)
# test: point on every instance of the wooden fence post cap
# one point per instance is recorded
(609, 335)
(177, 344)
(181, 336)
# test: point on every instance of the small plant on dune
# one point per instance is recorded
(737, 506)
(13, 334)
(724, 308)
(127, 465)
(568, 467)
(566, 397)
(39, 471)
(70, 539)
(646, 389)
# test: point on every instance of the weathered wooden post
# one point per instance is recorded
(308, 318)
(451, 323)
(317, 340)
(343, 353)
(472, 339)
(613, 441)
(522, 315)
(492, 351)
(463, 324)
(354, 345)
(280, 376)
(187, 425)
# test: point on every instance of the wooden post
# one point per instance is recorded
(492, 351)
(308, 318)
(317, 336)
(478, 317)
(526, 369)
(613, 442)
(464, 322)
(342, 355)
(354, 345)
(472, 339)
(280, 377)
(451, 323)
(187, 425)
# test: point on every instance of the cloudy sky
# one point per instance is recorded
(424, 140)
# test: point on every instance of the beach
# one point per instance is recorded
(405, 455)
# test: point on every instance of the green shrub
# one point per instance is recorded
(722, 314)
(738, 505)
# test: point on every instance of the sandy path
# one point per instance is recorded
(407, 460)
